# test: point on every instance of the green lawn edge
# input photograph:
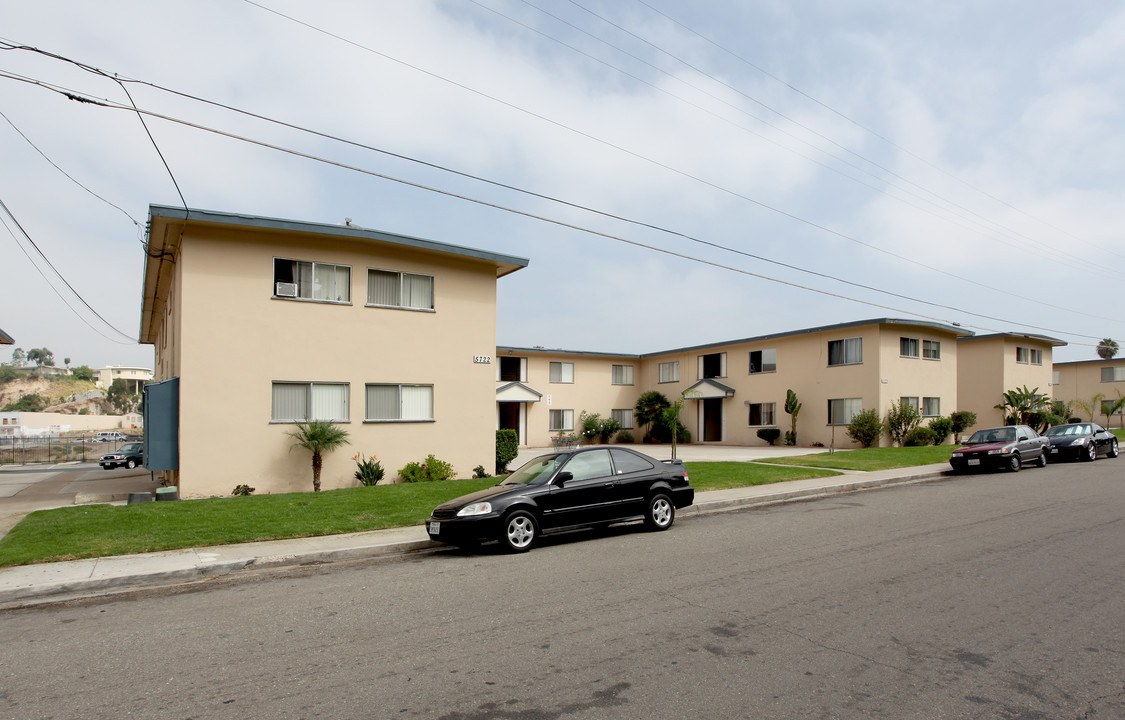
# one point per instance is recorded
(870, 459)
(89, 531)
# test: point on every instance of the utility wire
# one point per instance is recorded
(113, 105)
(874, 133)
(8, 212)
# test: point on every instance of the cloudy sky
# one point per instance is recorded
(725, 169)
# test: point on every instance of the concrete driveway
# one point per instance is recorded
(27, 488)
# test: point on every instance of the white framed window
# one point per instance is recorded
(305, 280)
(624, 418)
(762, 414)
(1112, 374)
(622, 374)
(386, 402)
(712, 365)
(562, 372)
(303, 401)
(841, 412)
(845, 352)
(1036, 356)
(931, 349)
(931, 407)
(408, 291)
(911, 401)
(908, 347)
(669, 372)
(561, 420)
(1032, 356)
(763, 361)
(1056, 377)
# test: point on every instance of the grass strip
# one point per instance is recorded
(870, 459)
(88, 531)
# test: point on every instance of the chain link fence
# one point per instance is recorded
(57, 448)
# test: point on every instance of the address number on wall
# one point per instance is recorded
(482, 359)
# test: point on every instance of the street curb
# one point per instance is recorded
(76, 589)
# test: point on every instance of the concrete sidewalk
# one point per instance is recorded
(53, 582)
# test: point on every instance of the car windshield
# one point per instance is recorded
(993, 435)
(1061, 430)
(535, 472)
(132, 448)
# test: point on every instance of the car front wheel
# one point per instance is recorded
(659, 513)
(1041, 461)
(1090, 454)
(519, 531)
(1113, 451)
(131, 464)
(1014, 463)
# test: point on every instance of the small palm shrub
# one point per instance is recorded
(369, 471)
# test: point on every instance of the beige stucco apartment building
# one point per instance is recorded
(989, 365)
(260, 322)
(737, 387)
(1086, 379)
(133, 377)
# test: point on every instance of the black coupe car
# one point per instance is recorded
(1080, 440)
(587, 487)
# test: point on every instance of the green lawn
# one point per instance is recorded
(1119, 433)
(100, 530)
(869, 459)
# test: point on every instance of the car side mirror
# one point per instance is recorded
(563, 477)
(1023, 437)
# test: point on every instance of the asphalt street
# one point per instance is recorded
(986, 596)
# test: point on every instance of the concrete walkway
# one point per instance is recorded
(53, 582)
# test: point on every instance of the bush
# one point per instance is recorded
(369, 471)
(962, 421)
(662, 433)
(1074, 420)
(865, 428)
(943, 428)
(507, 447)
(607, 429)
(27, 403)
(624, 436)
(902, 418)
(790, 437)
(242, 490)
(430, 470)
(919, 437)
(479, 473)
(770, 435)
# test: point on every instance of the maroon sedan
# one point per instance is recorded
(1009, 447)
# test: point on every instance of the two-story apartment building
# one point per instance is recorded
(258, 323)
(737, 387)
(989, 365)
(133, 377)
(1086, 380)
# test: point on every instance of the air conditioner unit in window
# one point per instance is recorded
(285, 289)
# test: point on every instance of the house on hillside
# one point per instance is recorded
(991, 365)
(133, 377)
(1086, 379)
(258, 323)
(737, 387)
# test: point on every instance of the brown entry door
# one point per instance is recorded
(713, 420)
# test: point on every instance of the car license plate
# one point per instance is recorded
(974, 462)
(1053, 450)
(434, 528)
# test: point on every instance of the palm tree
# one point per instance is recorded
(1107, 348)
(1091, 406)
(318, 437)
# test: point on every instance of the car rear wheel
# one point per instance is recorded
(519, 531)
(1090, 453)
(1014, 463)
(659, 513)
(1113, 451)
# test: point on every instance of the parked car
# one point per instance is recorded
(586, 487)
(110, 436)
(129, 455)
(1009, 447)
(1080, 440)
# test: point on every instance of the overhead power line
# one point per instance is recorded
(117, 106)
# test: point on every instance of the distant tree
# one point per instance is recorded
(120, 398)
(318, 437)
(66, 361)
(19, 357)
(41, 357)
(1107, 348)
(83, 372)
